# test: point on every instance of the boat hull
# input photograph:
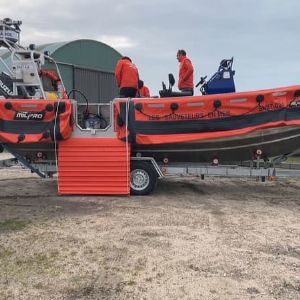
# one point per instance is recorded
(230, 127)
(272, 142)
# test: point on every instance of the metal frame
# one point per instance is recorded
(24, 162)
(255, 170)
(220, 170)
(98, 105)
(21, 64)
(6, 25)
(95, 133)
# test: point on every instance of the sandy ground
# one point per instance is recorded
(191, 239)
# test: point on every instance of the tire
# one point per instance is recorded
(143, 178)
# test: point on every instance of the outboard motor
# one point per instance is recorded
(6, 86)
(221, 82)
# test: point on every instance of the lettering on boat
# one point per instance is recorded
(189, 116)
(28, 115)
(270, 106)
(5, 88)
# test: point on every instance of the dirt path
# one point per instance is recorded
(191, 239)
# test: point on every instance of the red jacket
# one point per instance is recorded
(144, 91)
(127, 74)
(186, 73)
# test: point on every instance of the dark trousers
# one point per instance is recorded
(128, 92)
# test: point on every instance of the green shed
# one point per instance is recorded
(86, 66)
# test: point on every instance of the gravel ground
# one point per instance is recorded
(192, 239)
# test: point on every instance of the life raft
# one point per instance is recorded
(56, 84)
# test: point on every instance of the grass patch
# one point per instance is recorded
(18, 268)
(12, 224)
(39, 262)
(4, 253)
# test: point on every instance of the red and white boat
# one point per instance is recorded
(48, 132)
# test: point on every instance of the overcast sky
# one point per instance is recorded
(261, 35)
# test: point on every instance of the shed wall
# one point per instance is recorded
(97, 86)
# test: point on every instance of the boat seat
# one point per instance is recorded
(168, 93)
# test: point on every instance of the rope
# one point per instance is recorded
(126, 141)
(55, 141)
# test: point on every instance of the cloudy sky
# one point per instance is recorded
(261, 35)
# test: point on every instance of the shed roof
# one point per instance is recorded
(85, 53)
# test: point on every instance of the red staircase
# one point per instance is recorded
(94, 166)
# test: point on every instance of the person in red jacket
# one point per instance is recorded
(186, 73)
(127, 76)
(143, 90)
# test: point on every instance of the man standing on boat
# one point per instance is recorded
(186, 73)
(127, 76)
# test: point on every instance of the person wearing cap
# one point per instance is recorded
(143, 90)
(127, 76)
(186, 73)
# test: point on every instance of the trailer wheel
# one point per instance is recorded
(143, 178)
